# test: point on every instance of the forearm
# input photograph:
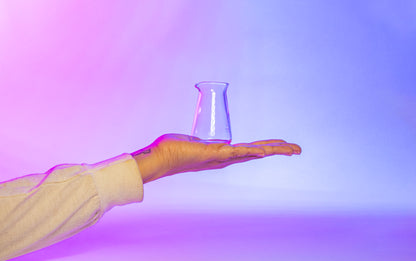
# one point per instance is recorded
(39, 210)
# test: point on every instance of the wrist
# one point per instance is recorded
(147, 162)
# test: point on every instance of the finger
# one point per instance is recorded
(238, 152)
(242, 144)
(261, 142)
(249, 150)
(256, 151)
(239, 160)
(278, 149)
(228, 152)
(228, 162)
(233, 154)
(296, 148)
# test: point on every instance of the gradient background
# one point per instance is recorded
(83, 81)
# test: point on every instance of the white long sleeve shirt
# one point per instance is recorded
(41, 209)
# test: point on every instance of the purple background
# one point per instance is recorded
(83, 81)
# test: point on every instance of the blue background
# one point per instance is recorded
(83, 81)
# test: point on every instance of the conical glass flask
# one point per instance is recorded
(212, 119)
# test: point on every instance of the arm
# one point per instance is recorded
(42, 209)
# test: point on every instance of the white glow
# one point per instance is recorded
(212, 126)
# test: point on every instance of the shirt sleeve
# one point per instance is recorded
(41, 209)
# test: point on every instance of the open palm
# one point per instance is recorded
(176, 153)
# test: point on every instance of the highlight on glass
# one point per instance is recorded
(212, 118)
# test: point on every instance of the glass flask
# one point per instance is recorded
(212, 119)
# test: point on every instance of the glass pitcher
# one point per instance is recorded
(212, 119)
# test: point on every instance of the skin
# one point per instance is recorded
(177, 153)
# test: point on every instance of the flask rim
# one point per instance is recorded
(211, 83)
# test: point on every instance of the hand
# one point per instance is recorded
(175, 153)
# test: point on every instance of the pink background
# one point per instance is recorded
(83, 81)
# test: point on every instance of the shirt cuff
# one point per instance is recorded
(118, 181)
